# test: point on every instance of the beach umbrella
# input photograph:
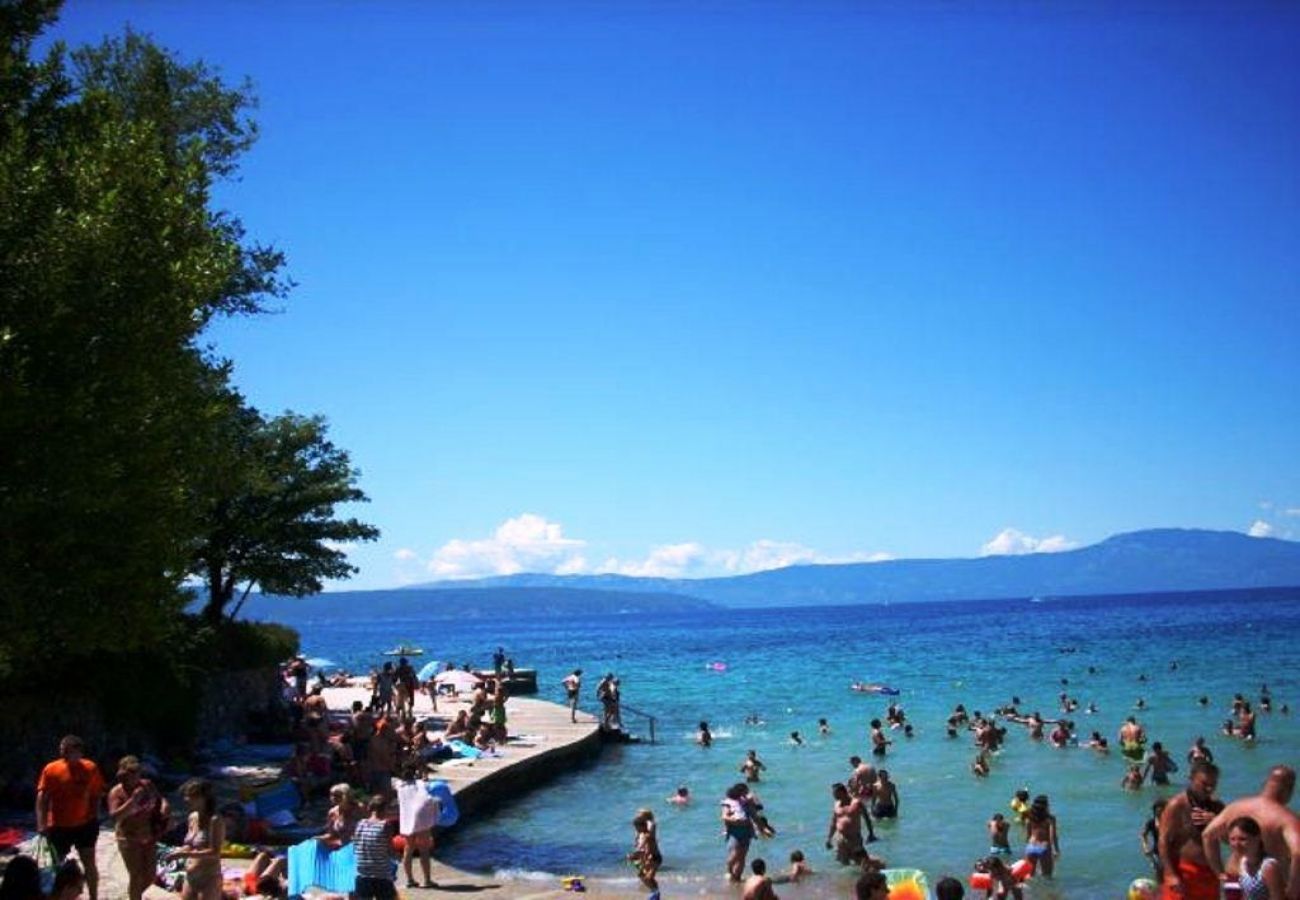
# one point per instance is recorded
(428, 670)
(319, 662)
(458, 679)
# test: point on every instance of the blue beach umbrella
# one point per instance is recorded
(428, 670)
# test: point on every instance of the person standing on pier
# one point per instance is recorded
(572, 685)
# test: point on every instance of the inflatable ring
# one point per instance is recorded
(1020, 869)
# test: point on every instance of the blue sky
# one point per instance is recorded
(696, 288)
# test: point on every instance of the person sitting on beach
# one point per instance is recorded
(1149, 837)
(373, 841)
(752, 766)
(22, 880)
(342, 818)
(681, 796)
(758, 886)
(645, 853)
(384, 748)
(265, 878)
(1042, 840)
(1187, 871)
(1133, 778)
(458, 727)
(1159, 764)
(844, 832)
(703, 736)
(999, 830)
(1280, 826)
(69, 881)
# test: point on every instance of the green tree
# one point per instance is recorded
(111, 264)
(268, 509)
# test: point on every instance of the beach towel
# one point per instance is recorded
(464, 750)
(312, 864)
(448, 814)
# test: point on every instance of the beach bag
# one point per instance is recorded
(47, 859)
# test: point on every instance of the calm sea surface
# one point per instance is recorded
(790, 667)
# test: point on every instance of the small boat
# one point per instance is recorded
(405, 650)
(872, 688)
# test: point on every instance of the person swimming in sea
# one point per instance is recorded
(823, 727)
(796, 739)
(681, 797)
(704, 737)
(752, 766)
(1133, 778)
(879, 743)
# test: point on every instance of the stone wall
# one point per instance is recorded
(233, 704)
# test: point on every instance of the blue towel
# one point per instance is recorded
(448, 814)
(464, 749)
(312, 864)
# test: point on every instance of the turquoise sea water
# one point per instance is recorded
(791, 667)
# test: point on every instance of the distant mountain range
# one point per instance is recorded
(1151, 561)
(461, 603)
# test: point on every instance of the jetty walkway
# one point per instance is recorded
(544, 743)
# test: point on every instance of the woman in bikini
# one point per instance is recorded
(1042, 843)
(139, 815)
(201, 849)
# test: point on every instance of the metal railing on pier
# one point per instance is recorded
(623, 708)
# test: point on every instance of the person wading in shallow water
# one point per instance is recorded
(1188, 875)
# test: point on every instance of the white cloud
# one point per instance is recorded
(526, 543)
(531, 543)
(1013, 542)
(1261, 529)
(1292, 511)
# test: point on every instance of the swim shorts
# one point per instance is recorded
(375, 888)
(83, 837)
(1199, 883)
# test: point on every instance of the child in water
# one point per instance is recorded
(1132, 778)
(681, 797)
(999, 842)
(645, 853)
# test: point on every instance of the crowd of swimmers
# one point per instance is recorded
(1184, 838)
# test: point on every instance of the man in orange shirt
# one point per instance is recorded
(67, 806)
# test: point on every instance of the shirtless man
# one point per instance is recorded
(1159, 764)
(844, 833)
(759, 886)
(1188, 875)
(1131, 733)
(752, 766)
(862, 784)
(1280, 826)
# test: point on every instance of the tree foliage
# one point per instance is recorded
(112, 262)
(269, 498)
